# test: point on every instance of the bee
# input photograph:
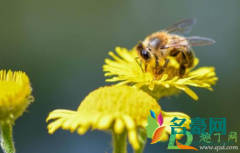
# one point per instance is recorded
(155, 50)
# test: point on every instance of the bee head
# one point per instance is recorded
(143, 53)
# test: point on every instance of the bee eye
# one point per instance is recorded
(145, 55)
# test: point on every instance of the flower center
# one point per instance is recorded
(8, 88)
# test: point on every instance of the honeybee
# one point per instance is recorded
(155, 50)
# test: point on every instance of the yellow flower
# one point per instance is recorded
(126, 70)
(15, 95)
(117, 108)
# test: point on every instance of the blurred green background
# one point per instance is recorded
(62, 45)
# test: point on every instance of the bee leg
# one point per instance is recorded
(182, 70)
(164, 67)
(140, 64)
(146, 68)
(156, 68)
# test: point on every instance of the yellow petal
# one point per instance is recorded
(132, 135)
(188, 91)
(118, 126)
(129, 123)
(52, 127)
(82, 130)
(105, 122)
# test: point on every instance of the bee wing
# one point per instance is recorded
(182, 27)
(199, 41)
(191, 41)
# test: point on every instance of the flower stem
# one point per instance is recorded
(119, 142)
(142, 137)
(6, 139)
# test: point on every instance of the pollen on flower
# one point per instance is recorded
(117, 108)
(15, 95)
(111, 107)
(126, 70)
